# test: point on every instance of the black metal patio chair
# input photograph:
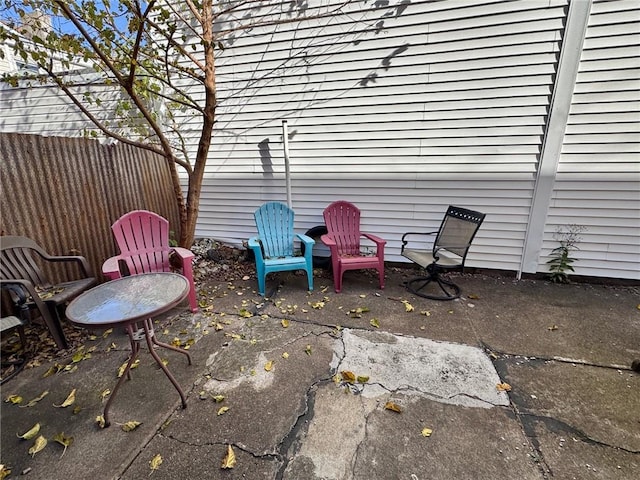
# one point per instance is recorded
(448, 253)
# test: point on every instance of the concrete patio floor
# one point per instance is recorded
(279, 366)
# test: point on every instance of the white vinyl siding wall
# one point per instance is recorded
(598, 179)
(445, 103)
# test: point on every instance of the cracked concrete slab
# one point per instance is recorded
(589, 402)
(278, 397)
(443, 371)
(568, 455)
(554, 322)
(353, 437)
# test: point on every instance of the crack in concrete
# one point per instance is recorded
(362, 444)
(556, 425)
(289, 445)
(493, 353)
(527, 420)
(239, 446)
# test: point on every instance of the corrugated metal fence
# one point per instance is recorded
(65, 193)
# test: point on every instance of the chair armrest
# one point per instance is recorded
(308, 245)
(328, 240)
(255, 245)
(18, 296)
(308, 241)
(374, 238)
(27, 286)
(111, 268)
(405, 240)
(81, 261)
(183, 253)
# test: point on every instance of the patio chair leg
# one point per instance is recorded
(417, 285)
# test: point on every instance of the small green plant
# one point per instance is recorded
(560, 263)
(172, 239)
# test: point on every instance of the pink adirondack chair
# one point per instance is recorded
(143, 240)
(343, 239)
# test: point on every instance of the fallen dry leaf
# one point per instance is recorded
(38, 445)
(348, 376)
(4, 472)
(31, 433)
(284, 322)
(34, 401)
(222, 410)
(229, 460)
(374, 323)
(130, 425)
(133, 365)
(218, 398)
(100, 421)
(362, 378)
(503, 387)
(357, 312)
(394, 407)
(71, 398)
(63, 440)
(307, 349)
(14, 399)
(407, 306)
(426, 432)
(285, 355)
(155, 463)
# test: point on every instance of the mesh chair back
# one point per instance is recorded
(457, 230)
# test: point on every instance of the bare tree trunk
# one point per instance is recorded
(187, 232)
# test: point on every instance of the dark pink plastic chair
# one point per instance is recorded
(343, 239)
(143, 240)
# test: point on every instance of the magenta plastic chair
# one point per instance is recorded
(343, 239)
(143, 240)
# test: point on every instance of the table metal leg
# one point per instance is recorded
(135, 338)
(135, 349)
(150, 337)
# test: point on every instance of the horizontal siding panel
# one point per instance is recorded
(621, 29)
(624, 14)
(596, 76)
(602, 128)
(596, 140)
(614, 107)
(600, 7)
(603, 117)
(594, 148)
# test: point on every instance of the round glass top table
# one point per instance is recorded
(132, 302)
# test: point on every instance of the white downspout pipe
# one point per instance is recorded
(287, 171)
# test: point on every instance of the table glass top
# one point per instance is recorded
(128, 299)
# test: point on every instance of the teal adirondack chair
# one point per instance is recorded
(273, 247)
